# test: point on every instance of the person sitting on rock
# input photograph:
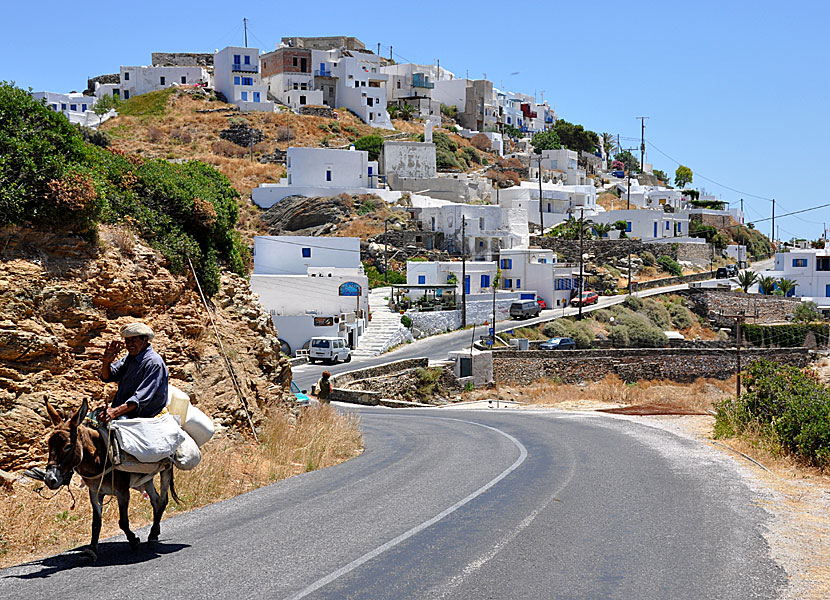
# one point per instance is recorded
(324, 387)
(141, 375)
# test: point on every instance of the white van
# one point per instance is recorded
(331, 349)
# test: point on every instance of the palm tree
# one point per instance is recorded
(766, 284)
(746, 279)
(394, 111)
(602, 229)
(406, 112)
(608, 143)
(786, 286)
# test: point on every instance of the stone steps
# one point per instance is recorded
(384, 330)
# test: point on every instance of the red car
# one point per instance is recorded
(542, 304)
(586, 299)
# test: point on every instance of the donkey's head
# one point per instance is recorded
(65, 449)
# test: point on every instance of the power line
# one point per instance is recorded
(698, 174)
(795, 212)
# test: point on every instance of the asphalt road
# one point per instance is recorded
(458, 504)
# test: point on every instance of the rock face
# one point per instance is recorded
(298, 215)
(63, 299)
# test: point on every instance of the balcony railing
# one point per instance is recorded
(245, 68)
(322, 73)
(422, 81)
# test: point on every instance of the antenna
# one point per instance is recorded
(245, 25)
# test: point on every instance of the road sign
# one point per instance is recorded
(491, 331)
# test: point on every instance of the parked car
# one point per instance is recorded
(524, 309)
(558, 343)
(542, 304)
(619, 174)
(300, 395)
(330, 349)
(586, 299)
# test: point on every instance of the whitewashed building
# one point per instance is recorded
(559, 202)
(810, 269)
(408, 159)
(76, 107)
(647, 224)
(320, 172)
(538, 270)
(236, 75)
(289, 74)
(487, 229)
(413, 84)
(312, 287)
(563, 165)
(141, 80)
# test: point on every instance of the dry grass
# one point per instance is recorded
(31, 527)
(670, 396)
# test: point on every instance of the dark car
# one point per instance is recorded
(524, 309)
(727, 271)
(558, 343)
(586, 299)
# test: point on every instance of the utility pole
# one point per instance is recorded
(245, 24)
(742, 211)
(739, 320)
(772, 233)
(390, 52)
(581, 261)
(541, 218)
(378, 48)
(642, 140)
(628, 193)
(463, 272)
(385, 249)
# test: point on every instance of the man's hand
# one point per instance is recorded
(113, 412)
(113, 348)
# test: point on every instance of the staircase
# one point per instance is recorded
(384, 330)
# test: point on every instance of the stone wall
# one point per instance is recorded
(385, 369)
(478, 312)
(402, 385)
(318, 111)
(181, 59)
(102, 79)
(427, 240)
(714, 304)
(676, 364)
(654, 283)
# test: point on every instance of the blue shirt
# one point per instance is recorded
(141, 379)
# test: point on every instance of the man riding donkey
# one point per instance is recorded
(133, 439)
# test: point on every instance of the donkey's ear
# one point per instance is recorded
(79, 416)
(54, 415)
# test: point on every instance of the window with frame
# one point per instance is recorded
(328, 174)
(508, 284)
(306, 252)
(237, 59)
(162, 80)
(184, 78)
(247, 60)
(823, 263)
(126, 75)
(799, 262)
(422, 279)
(73, 107)
(518, 284)
(63, 106)
(507, 263)
(485, 281)
(237, 80)
(628, 226)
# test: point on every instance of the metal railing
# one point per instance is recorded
(245, 68)
(322, 73)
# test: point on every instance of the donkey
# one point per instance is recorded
(76, 447)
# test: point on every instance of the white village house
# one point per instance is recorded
(236, 76)
(538, 270)
(142, 80)
(810, 269)
(76, 107)
(312, 287)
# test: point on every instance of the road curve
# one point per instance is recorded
(459, 504)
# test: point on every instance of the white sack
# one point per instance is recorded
(149, 440)
(198, 425)
(187, 455)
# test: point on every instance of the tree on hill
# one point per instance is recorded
(682, 176)
(545, 140)
(632, 165)
(576, 137)
(608, 143)
(371, 144)
(746, 278)
(49, 177)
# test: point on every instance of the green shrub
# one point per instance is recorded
(681, 317)
(580, 331)
(444, 159)
(366, 207)
(557, 328)
(668, 264)
(641, 332)
(788, 335)
(786, 406)
(647, 258)
(471, 154)
(657, 313)
(806, 312)
(371, 144)
(633, 303)
(406, 321)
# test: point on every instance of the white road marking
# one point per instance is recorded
(418, 528)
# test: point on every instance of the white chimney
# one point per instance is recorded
(428, 131)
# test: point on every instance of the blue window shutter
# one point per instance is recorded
(628, 226)
(485, 281)
(422, 279)
(236, 80)
(306, 252)
(518, 284)
(236, 59)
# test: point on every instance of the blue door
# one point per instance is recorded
(467, 284)
(655, 229)
(256, 96)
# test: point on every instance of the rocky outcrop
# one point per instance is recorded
(62, 299)
(298, 215)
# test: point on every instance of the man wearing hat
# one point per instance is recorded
(141, 375)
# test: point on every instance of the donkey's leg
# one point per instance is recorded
(123, 496)
(159, 501)
(97, 502)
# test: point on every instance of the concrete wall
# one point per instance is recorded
(408, 159)
(682, 364)
(283, 254)
(379, 370)
(478, 312)
(141, 80)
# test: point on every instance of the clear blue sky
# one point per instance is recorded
(736, 90)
